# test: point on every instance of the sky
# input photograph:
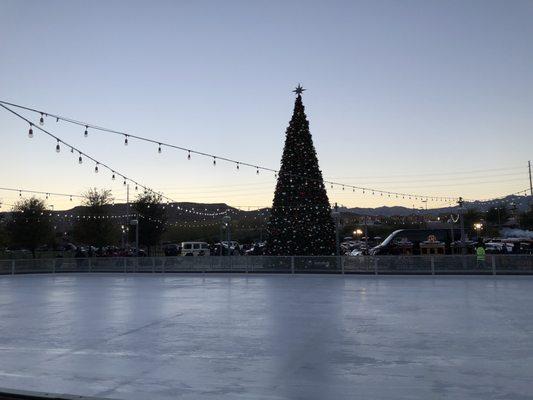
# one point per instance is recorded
(426, 97)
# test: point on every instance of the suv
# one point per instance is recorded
(194, 249)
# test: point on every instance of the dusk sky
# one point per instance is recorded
(430, 97)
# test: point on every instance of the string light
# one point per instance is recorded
(237, 165)
(189, 155)
(30, 132)
(125, 140)
(113, 176)
(41, 120)
(58, 149)
(86, 133)
(214, 161)
(257, 171)
(96, 168)
(159, 148)
(80, 160)
(189, 151)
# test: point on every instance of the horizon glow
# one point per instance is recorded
(424, 97)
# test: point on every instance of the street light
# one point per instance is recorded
(135, 222)
(358, 232)
(336, 217)
(226, 220)
(478, 226)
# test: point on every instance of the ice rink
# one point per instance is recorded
(268, 336)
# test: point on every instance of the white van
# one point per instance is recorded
(194, 249)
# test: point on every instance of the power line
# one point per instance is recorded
(433, 173)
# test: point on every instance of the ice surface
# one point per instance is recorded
(268, 336)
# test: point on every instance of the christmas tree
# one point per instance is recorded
(300, 221)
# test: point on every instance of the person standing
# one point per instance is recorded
(480, 255)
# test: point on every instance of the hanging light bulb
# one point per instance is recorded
(72, 149)
(113, 176)
(136, 187)
(237, 165)
(159, 148)
(86, 133)
(189, 155)
(257, 170)
(124, 181)
(342, 187)
(80, 160)
(214, 161)
(125, 140)
(96, 168)
(58, 149)
(70, 198)
(41, 120)
(20, 193)
(30, 132)
(57, 119)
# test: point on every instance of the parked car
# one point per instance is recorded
(195, 249)
(172, 250)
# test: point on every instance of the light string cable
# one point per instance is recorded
(47, 194)
(115, 199)
(98, 163)
(214, 157)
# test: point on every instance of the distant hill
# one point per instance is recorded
(521, 202)
(175, 215)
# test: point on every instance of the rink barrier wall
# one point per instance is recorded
(376, 265)
(10, 394)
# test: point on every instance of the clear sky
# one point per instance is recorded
(433, 97)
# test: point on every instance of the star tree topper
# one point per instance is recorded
(299, 89)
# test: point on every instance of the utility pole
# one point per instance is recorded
(137, 237)
(125, 232)
(462, 224)
(366, 232)
(136, 223)
(530, 182)
(221, 240)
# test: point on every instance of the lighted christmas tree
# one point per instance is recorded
(300, 221)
